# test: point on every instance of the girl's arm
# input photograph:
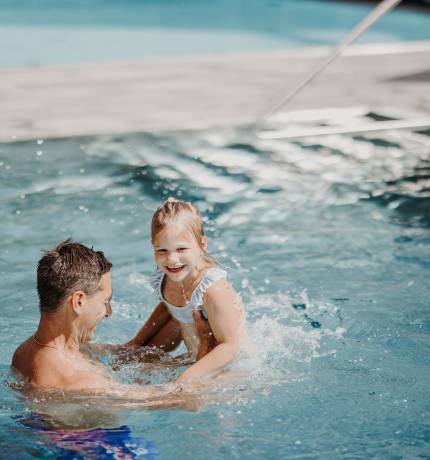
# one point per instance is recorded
(157, 320)
(225, 313)
(205, 334)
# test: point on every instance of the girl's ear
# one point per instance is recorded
(78, 300)
(204, 243)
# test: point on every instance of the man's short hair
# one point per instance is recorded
(68, 268)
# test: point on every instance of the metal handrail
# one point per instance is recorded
(381, 9)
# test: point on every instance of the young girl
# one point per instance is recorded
(189, 283)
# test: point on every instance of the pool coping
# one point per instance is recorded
(203, 92)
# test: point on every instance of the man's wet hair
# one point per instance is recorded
(68, 268)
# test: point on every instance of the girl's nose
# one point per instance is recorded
(172, 257)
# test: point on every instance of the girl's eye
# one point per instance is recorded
(182, 249)
(161, 251)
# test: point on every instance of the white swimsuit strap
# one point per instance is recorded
(211, 276)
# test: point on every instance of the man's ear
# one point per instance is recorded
(204, 243)
(78, 299)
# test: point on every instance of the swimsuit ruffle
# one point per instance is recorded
(185, 314)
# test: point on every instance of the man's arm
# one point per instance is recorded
(92, 381)
(153, 396)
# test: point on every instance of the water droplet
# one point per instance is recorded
(39, 153)
(39, 141)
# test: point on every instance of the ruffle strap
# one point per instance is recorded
(155, 281)
(213, 275)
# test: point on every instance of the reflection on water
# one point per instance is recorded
(100, 443)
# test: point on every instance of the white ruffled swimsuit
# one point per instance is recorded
(185, 314)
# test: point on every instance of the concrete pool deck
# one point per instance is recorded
(204, 92)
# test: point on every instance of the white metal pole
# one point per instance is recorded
(371, 18)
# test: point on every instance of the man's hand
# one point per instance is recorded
(204, 331)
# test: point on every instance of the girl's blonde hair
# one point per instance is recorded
(173, 210)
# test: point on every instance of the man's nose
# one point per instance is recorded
(108, 310)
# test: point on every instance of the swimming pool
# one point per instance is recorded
(57, 31)
(326, 238)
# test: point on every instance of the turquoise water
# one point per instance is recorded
(328, 241)
(38, 32)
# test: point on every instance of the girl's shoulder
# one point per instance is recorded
(211, 276)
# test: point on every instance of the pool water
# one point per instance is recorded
(57, 31)
(326, 238)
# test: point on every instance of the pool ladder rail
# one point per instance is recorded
(290, 133)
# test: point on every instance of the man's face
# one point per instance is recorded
(97, 306)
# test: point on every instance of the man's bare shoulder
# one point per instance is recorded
(40, 367)
(21, 357)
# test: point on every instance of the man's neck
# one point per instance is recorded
(55, 332)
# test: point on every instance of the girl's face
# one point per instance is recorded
(177, 252)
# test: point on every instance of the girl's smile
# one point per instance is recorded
(174, 269)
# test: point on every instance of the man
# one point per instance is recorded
(75, 289)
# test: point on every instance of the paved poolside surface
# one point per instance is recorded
(204, 92)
